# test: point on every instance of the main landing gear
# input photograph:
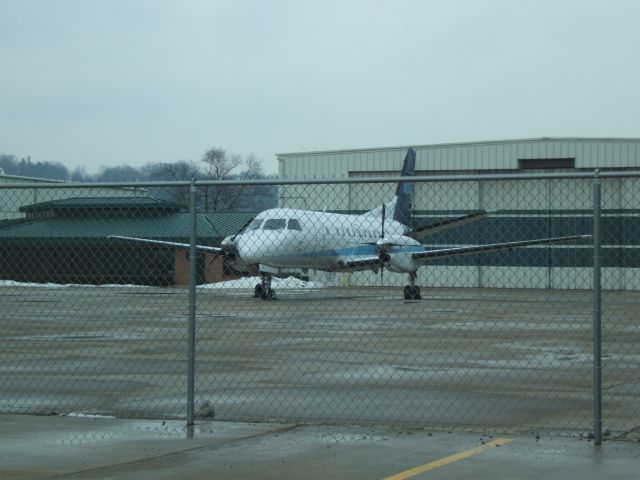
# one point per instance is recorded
(412, 291)
(263, 289)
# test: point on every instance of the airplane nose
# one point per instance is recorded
(230, 247)
(246, 249)
(228, 241)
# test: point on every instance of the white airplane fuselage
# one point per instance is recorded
(288, 238)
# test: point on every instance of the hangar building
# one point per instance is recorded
(67, 241)
(13, 200)
(523, 209)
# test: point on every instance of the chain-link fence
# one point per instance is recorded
(341, 313)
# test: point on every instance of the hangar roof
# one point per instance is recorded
(5, 178)
(82, 220)
(104, 202)
(462, 144)
(475, 157)
(101, 206)
(214, 226)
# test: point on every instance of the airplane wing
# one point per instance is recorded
(428, 255)
(432, 228)
(200, 248)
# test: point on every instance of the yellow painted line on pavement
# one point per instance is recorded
(447, 460)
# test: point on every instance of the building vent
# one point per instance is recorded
(546, 163)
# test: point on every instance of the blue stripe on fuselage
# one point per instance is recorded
(361, 250)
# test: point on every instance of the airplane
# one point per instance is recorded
(281, 239)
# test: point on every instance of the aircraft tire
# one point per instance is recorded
(416, 293)
(258, 291)
(412, 293)
(268, 294)
(407, 292)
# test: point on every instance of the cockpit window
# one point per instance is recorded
(275, 224)
(255, 225)
(294, 224)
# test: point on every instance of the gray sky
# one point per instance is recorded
(134, 81)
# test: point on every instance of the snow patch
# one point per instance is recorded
(276, 283)
(86, 415)
(245, 282)
(13, 283)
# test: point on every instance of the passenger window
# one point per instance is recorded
(294, 224)
(275, 224)
(255, 225)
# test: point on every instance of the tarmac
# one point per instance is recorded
(83, 447)
(463, 359)
(332, 385)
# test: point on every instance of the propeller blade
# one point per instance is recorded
(247, 223)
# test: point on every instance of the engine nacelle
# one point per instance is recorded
(395, 253)
(401, 263)
(386, 243)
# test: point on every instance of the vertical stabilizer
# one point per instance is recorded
(404, 191)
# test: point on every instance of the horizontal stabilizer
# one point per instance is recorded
(432, 228)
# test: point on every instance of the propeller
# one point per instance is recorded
(247, 223)
(381, 244)
(229, 249)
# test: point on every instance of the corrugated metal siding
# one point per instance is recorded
(589, 153)
(522, 208)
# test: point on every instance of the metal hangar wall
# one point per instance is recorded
(532, 208)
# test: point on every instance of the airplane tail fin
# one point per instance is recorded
(401, 203)
(404, 191)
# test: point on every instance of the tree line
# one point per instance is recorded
(215, 164)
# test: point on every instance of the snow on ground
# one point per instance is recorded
(13, 283)
(245, 282)
(85, 415)
(277, 283)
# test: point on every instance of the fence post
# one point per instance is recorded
(193, 278)
(597, 312)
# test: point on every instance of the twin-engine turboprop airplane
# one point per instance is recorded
(280, 239)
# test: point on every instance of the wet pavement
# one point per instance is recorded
(461, 358)
(514, 366)
(66, 447)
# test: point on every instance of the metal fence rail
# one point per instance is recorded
(504, 340)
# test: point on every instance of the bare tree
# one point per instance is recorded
(79, 174)
(119, 173)
(252, 197)
(177, 171)
(219, 164)
(219, 167)
(222, 166)
(254, 168)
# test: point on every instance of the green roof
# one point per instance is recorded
(212, 226)
(79, 203)
(226, 223)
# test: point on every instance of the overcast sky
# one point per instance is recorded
(110, 82)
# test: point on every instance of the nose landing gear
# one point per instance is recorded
(412, 291)
(263, 289)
